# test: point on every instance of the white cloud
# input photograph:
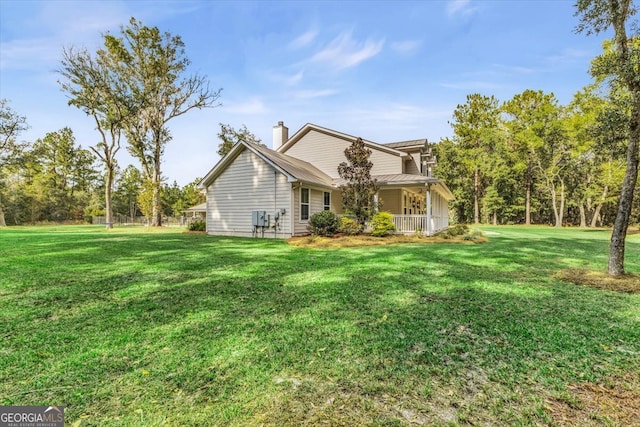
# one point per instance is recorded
(294, 79)
(344, 52)
(311, 94)
(406, 47)
(461, 7)
(27, 54)
(304, 39)
(250, 106)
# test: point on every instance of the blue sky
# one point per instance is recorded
(386, 71)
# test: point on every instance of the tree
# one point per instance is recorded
(620, 63)
(93, 88)
(150, 69)
(63, 177)
(229, 137)
(11, 124)
(459, 179)
(359, 191)
(476, 124)
(190, 195)
(129, 186)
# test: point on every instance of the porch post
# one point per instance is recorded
(375, 202)
(428, 213)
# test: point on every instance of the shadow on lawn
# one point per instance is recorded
(215, 316)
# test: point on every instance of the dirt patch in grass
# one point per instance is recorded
(629, 283)
(616, 402)
(343, 241)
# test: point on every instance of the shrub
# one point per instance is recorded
(382, 224)
(456, 230)
(349, 226)
(198, 225)
(324, 223)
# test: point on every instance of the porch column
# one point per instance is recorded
(428, 213)
(375, 202)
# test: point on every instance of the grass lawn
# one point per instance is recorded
(163, 328)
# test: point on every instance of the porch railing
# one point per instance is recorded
(408, 224)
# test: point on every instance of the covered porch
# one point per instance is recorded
(419, 204)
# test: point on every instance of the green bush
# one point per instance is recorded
(456, 230)
(349, 226)
(198, 225)
(382, 224)
(324, 223)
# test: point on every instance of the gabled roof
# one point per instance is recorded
(298, 169)
(414, 143)
(294, 169)
(350, 138)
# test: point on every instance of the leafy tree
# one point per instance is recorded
(152, 86)
(598, 151)
(64, 175)
(619, 63)
(93, 87)
(126, 193)
(359, 191)
(11, 124)
(459, 179)
(190, 195)
(476, 126)
(230, 136)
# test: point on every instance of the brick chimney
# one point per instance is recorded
(280, 135)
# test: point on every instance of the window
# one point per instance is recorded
(327, 201)
(304, 204)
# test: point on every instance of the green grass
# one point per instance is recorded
(162, 328)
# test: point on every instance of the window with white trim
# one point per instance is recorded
(326, 201)
(304, 204)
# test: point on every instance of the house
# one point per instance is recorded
(256, 191)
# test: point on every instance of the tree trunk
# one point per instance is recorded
(560, 216)
(495, 218)
(2, 221)
(583, 216)
(107, 198)
(621, 224)
(596, 212)
(552, 191)
(527, 201)
(156, 215)
(476, 198)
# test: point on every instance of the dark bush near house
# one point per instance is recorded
(349, 226)
(198, 226)
(382, 224)
(324, 223)
(456, 230)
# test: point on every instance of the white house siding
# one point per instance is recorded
(326, 152)
(316, 204)
(247, 184)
